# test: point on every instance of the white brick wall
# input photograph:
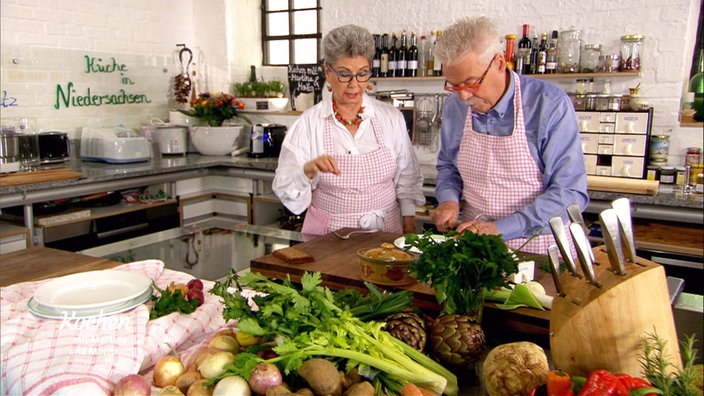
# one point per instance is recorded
(49, 39)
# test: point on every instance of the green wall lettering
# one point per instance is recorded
(95, 65)
(68, 98)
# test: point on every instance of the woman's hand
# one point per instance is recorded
(324, 163)
(445, 215)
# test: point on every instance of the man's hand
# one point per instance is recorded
(445, 215)
(324, 163)
(478, 227)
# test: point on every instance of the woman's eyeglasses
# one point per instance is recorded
(469, 87)
(345, 76)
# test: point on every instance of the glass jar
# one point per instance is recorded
(602, 102)
(578, 101)
(582, 86)
(590, 102)
(589, 60)
(667, 175)
(693, 156)
(569, 49)
(659, 147)
(631, 51)
(608, 63)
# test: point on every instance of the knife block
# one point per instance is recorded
(604, 327)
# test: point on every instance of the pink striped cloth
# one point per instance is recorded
(87, 357)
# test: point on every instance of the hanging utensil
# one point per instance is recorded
(558, 231)
(183, 82)
(582, 245)
(622, 206)
(612, 238)
(423, 126)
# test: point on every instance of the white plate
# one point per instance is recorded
(55, 313)
(400, 242)
(93, 289)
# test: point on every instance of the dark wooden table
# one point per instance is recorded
(37, 263)
(336, 260)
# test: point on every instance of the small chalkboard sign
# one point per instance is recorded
(306, 79)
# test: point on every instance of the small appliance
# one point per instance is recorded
(266, 140)
(114, 145)
(9, 151)
(173, 139)
(54, 147)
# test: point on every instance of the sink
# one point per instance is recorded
(206, 250)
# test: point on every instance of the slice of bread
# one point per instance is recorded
(293, 256)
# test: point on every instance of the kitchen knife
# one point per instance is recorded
(575, 214)
(623, 211)
(582, 245)
(555, 268)
(612, 237)
(558, 231)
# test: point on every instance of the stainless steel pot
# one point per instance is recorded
(9, 152)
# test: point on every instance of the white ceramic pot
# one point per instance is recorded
(216, 140)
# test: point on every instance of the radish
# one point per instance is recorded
(264, 376)
(133, 385)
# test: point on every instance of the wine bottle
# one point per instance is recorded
(543, 53)
(393, 57)
(376, 59)
(412, 65)
(402, 61)
(437, 65)
(534, 54)
(429, 59)
(508, 53)
(524, 52)
(384, 56)
(423, 56)
(551, 61)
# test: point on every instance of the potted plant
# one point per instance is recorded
(259, 94)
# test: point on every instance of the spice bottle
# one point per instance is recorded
(631, 48)
(693, 156)
(667, 175)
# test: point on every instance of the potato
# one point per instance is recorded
(322, 376)
(187, 379)
(170, 390)
(304, 392)
(278, 390)
(363, 388)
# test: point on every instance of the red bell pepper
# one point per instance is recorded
(633, 383)
(602, 383)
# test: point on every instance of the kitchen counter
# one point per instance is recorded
(666, 205)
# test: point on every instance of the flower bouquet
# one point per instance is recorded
(215, 107)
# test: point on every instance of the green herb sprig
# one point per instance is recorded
(168, 302)
(461, 267)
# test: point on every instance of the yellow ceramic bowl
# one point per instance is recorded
(386, 265)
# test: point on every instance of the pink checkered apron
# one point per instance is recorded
(363, 195)
(500, 176)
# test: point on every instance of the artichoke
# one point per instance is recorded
(407, 327)
(457, 340)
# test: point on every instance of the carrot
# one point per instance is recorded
(411, 389)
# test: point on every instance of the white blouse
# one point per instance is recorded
(304, 142)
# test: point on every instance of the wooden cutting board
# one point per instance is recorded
(40, 176)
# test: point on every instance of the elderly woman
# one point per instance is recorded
(348, 160)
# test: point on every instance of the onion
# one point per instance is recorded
(133, 385)
(213, 365)
(232, 386)
(167, 370)
(264, 376)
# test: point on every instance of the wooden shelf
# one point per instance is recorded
(539, 76)
(105, 211)
(688, 122)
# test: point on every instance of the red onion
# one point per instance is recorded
(133, 385)
(263, 376)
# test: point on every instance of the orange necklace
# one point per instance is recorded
(355, 121)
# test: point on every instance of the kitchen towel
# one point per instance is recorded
(68, 357)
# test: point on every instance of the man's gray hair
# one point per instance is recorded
(477, 35)
(348, 41)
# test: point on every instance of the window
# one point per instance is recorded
(290, 32)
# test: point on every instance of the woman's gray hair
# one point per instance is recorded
(477, 35)
(347, 41)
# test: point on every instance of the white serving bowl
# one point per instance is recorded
(216, 140)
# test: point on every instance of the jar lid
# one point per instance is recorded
(694, 149)
(667, 168)
(680, 168)
(633, 37)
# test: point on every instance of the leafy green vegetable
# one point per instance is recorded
(376, 305)
(168, 302)
(521, 296)
(461, 267)
(305, 322)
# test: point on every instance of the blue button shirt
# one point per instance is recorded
(553, 140)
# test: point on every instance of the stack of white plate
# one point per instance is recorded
(90, 294)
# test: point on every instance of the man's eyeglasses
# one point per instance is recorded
(469, 87)
(345, 76)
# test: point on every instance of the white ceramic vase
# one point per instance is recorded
(221, 140)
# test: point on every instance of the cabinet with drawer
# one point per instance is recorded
(615, 143)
